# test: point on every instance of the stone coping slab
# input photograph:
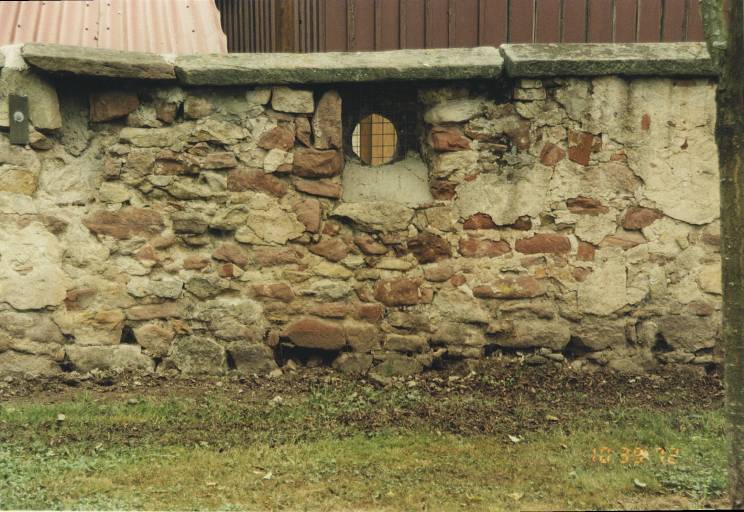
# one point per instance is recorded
(100, 62)
(294, 68)
(514, 60)
(592, 59)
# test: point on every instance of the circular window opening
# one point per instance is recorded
(374, 140)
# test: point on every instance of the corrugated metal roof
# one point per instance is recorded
(157, 26)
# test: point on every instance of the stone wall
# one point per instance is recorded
(156, 226)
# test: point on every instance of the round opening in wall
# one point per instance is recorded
(375, 140)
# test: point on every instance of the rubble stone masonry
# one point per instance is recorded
(152, 225)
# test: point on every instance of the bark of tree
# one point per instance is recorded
(728, 53)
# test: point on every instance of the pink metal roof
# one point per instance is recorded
(157, 26)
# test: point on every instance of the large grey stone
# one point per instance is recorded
(43, 103)
(97, 62)
(31, 275)
(14, 364)
(198, 355)
(591, 59)
(376, 216)
(291, 68)
(118, 357)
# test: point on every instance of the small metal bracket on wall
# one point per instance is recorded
(18, 117)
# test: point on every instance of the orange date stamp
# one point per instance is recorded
(635, 456)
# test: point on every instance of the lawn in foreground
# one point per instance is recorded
(308, 451)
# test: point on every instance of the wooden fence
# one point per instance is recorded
(363, 25)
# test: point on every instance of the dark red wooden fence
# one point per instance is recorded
(363, 25)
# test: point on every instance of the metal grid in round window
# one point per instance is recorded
(380, 122)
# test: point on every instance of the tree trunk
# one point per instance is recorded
(730, 140)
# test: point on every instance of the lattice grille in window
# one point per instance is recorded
(380, 122)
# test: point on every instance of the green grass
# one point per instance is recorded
(333, 448)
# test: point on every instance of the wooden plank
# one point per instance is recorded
(649, 21)
(465, 15)
(494, 22)
(626, 21)
(521, 21)
(673, 27)
(574, 21)
(600, 21)
(547, 21)
(365, 25)
(437, 24)
(285, 23)
(694, 22)
(413, 19)
(387, 25)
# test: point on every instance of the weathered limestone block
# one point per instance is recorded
(536, 332)
(454, 111)
(166, 287)
(455, 335)
(599, 333)
(313, 333)
(406, 343)
(91, 327)
(31, 275)
(35, 327)
(15, 364)
(250, 358)
(269, 223)
(376, 216)
(19, 169)
(689, 333)
(194, 355)
(709, 279)
(97, 61)
(154, 311)
(286, 99)
(605, 290)
(170, 137)
(155, 338)
(455, 165)
(361, 336)
(118, 357)
(233, 318)
(43, 103)
(457, 306)
(503, 198)
(352, 363)
(327, 121)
